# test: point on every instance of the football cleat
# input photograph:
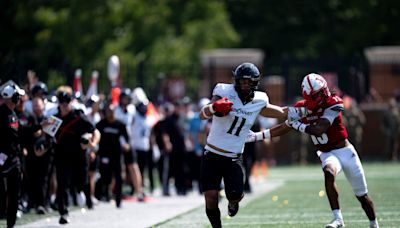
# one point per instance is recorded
(373, 225)
(63, 219)
(233, 208)
(336, 223)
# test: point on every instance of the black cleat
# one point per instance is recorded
(233, 209)
(63, 219)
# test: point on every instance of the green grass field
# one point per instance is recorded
(301, 201)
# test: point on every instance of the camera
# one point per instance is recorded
(85, 138)
(41, 143)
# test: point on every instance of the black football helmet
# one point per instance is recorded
(125, 93)
(247, 71)
(39, 89)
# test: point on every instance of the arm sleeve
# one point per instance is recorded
(332, 112)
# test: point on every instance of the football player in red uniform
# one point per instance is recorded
(323, 122)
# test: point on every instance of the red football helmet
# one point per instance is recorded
(314, 90)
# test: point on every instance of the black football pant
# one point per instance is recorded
(9, 192)
(70, 175)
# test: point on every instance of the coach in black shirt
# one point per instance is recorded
(110, 149)
(9, 152)
(70, 150)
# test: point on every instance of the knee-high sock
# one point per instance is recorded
(214, 215)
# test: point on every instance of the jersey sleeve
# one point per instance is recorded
(332, 112)
(301, 103)
(220, 90)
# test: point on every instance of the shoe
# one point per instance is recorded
(336, 223)
(95, 201)
(233, 208)
(141, 197)
(63, 219)
(374, 225)
(81, 199)
(19, 214)
(40, 210)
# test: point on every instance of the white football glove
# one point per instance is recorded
(251, 136)
(258, 136)
(298, 126)
(296, 113)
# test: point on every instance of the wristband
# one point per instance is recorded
(302, 128)
(261, 135)
(204, 113)
(211, 109)
(299, 126)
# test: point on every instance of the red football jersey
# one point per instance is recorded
(335, 133)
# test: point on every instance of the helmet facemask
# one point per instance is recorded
(314, 90)
(246, 71)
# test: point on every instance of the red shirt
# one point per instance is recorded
(336, 131)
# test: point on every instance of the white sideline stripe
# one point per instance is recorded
(365, 221)
(134, 214)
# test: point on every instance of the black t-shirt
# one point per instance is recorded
(9, 143)
(175, 133)
(44, 140)
(158, 131)
(110, 133)
(24, 128)
(9, 136)
(68, 136)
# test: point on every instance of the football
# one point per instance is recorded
(220, 114)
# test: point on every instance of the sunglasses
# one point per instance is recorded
(64, 98)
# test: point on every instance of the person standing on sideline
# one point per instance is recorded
(110, 150)
(10, 150)
(233, 109)
(75, 136)
(324, 125)
(124, 112)
(140, 132)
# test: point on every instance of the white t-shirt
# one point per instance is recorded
(125, 117)
(140, 131)
(229, 132)
(50, 108)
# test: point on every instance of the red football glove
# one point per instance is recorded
(222, 106)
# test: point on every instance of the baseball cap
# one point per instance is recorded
(9, 90)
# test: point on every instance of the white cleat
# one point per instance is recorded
(336, 223)
(374, 225)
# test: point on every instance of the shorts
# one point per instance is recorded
(130, 157)
(94, 165)
(215, 168)
(346, 159)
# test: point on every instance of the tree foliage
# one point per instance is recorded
(52, 36)
(56, 37)
(315, 29)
